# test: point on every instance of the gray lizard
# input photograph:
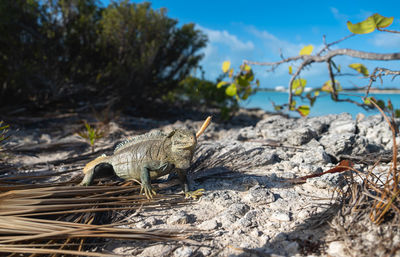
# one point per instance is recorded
(147, 157)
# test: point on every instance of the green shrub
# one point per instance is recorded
(51, 49)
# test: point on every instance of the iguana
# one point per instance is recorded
(147, 157)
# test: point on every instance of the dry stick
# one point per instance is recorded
(203, 127)
(394, 169)
(344, 165)
(395, 174)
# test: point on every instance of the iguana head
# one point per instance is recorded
(183, 145)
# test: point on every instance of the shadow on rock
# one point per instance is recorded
(306, 238)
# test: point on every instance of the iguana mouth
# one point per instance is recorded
(185, 146)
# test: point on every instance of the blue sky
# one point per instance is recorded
(259, 30)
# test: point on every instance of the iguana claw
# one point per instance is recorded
(148, 191)
(194, 194)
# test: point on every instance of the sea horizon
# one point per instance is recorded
(324, 105)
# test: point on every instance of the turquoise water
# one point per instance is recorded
(322, 106)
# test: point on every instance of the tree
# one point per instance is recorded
(147, 54)
(77, 50)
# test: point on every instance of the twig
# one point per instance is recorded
(297, 73)
(388, 30)
(330, 55)
(379, 72)
(333, 43)
(333, 84)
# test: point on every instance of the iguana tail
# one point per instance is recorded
(93, 163)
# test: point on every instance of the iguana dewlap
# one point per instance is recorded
(147, 157)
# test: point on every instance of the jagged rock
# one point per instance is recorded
(258, 194)
(157, 250)
(179, 217)
(330, 180)
(281, 215)
(300, 136)
(185, 251)
(209, 224)
(337, 249)
(336, 144)
(343, 124)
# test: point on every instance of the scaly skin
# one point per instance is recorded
(147, 157)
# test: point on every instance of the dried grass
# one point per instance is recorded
(369, 218)
(60, 219)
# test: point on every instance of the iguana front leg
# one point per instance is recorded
(185, 186)
(145, 176)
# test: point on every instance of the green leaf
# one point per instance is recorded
(370, 24)
(316, 93)
(390, 105)
(299, 83)
(247, 93)
(381, 104)
(242, 81)
(336, 67)
(221, 84)
(304, 110)
(311, 98)
(327, 87)
(298, 91)
(290, 70)
(246, 67)
(397, 113)
(278, 107)
(292, 105)
(257, 83)
(307, 50)
(231, 90)
(230, 73)
(381, 21)
(367, 101)
(298, 86)
(225, 66)
(360, 68)
(364, 27)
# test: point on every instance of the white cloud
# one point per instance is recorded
(338, 15)
(224, 37)
(275, 45)
(222, 46)
(386, 40)
(271, 42)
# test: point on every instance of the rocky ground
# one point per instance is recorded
(251, 205)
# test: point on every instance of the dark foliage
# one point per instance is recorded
(78, 50)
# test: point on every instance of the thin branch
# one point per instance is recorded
(297, 73)
(333, 43)
(333, 84)
(378, 73)
(388, 30)
(330, 55)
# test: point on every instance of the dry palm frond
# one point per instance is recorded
(203, 127)
(43, 219)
